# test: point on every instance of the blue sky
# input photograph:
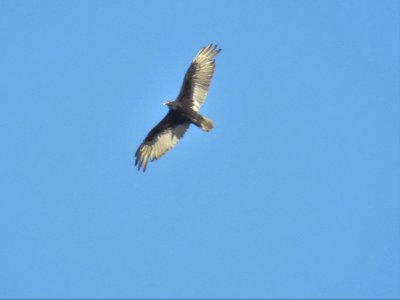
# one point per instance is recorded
(294, 193)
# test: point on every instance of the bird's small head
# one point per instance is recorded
(172, 104)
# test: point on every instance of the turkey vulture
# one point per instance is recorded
(183, 111)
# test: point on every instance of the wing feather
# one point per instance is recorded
(164, 136)
(198, 78)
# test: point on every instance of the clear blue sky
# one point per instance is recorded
(295, 193)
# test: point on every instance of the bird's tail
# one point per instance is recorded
(206, 124)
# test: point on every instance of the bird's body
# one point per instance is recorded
(183, 111)
(180, 113)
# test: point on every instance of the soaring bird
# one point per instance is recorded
(183, 111)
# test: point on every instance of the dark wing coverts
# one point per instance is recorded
(198, 78)
(160, 139)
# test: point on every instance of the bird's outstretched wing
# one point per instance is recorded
(198, 78)
(160, 139)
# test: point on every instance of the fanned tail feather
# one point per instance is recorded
(206, 124)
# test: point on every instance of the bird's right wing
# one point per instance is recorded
(198, 78)
(159, 140)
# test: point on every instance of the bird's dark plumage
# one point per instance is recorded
(183, 111)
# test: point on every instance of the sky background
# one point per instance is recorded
(294, 193)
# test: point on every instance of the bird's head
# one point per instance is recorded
(171, 104)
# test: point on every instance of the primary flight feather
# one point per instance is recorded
(183, 111)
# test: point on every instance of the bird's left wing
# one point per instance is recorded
(159, 140)
(198, 78)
